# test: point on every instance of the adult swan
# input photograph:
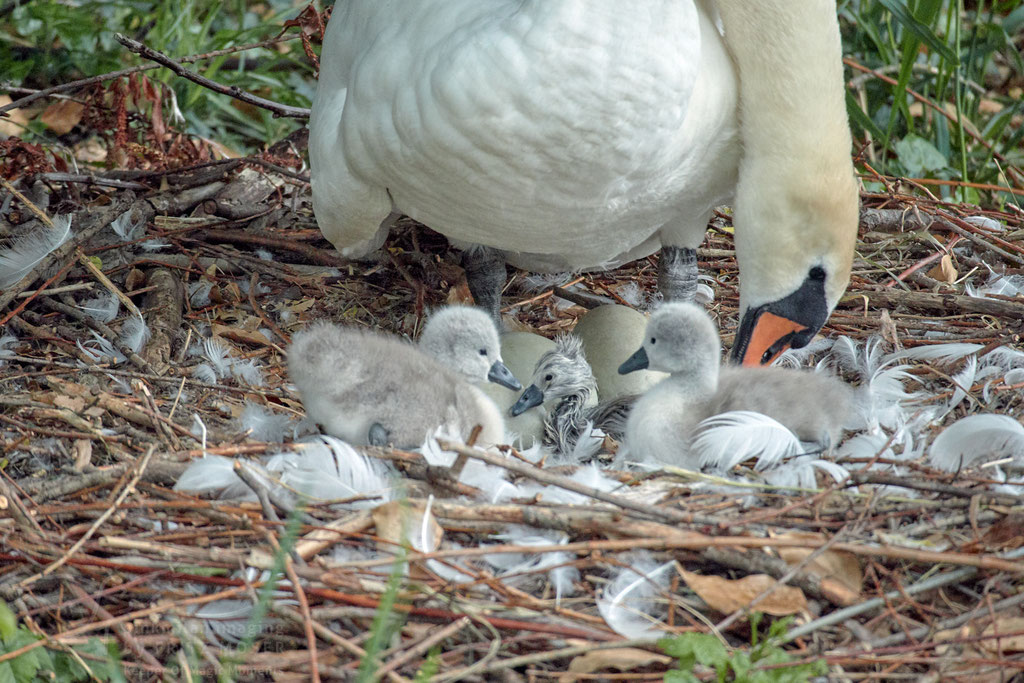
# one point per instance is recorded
(575, 134)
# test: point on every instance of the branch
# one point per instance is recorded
(232, 91)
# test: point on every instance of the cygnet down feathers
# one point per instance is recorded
(367, 387)
(563, 375)
(682, 340)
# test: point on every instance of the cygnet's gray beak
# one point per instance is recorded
(533, 396)
(499, 374)
(638, 361)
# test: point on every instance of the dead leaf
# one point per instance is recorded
(1006, 534)
(15, 122)
(302, 306)
(1014, 643)
(944, 272)
(619, 659)
(62, 116)
(75, 404)
(887, 328)
(241, 336)
(832, 564)
(83, 453)
(727, 596)
(399, 521)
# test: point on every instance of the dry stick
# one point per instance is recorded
(106, 282)
(123, 634)
(93, 80)
(332, 637)
(540, 475)
(842, 615)
(160, 58)
(129, 616)
(307, 620)
(421, 647)
(125, 492)
(944, 625)
(550, 655)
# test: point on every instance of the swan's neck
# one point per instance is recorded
(789, 58)
(796, 197)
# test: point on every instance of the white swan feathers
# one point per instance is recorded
(366, 387)
(572, 134)
(682, 340)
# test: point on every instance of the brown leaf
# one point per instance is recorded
(727, 596)
(15, 122)
(398, 521)
(1008, 644)
(62, 116)
(944, 272)
(619, 659)
(842, 567)
(75, 404)
(1006, 534)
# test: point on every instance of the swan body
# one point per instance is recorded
(610, 334)
(354, 382)
(576, 134)
(681, 339)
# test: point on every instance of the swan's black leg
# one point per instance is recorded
(485, 274)
(378, 436)
(677, 273)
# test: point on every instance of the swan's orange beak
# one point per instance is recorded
(772, 334)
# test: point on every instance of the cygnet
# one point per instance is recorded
(610, 334)
(682, 340)
(521, 351)
(369, 388)
(564, 376)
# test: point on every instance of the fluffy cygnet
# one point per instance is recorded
(564, 376)
(682, 340)
(366, 387)
(520, 351)
(610, 334)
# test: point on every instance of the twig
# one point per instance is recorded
(125, 492)
(92, 80)
(149, 53)
(542, 476)
(421, 647)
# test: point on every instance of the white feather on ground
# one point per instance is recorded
(102, 307)
(518, 568)
(263, 424)
(127, 228)
(199, 293)
(801, 472)
(724, 441)
(135, 333)
(977, 438)
(247, 372)
(944, 353)
(25, 253)
(6, 342)
(323, 468)
(632, 603)
(491, 481)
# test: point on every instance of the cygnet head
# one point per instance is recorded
(561, 372)
(681, 339)
(465, 339)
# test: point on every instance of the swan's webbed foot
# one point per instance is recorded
(485, 275)
(677, 273)
(378, 435)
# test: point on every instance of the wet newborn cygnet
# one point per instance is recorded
(682, 340)
(370, 388)
(563, 375)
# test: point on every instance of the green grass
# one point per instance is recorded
(965, 66)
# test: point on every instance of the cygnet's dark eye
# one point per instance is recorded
(653, 340)
(548, 377)
(483, 352)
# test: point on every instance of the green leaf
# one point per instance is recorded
(7, 673)
(907, 20)
(918, 156)
(709, 650)
(8, 622)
